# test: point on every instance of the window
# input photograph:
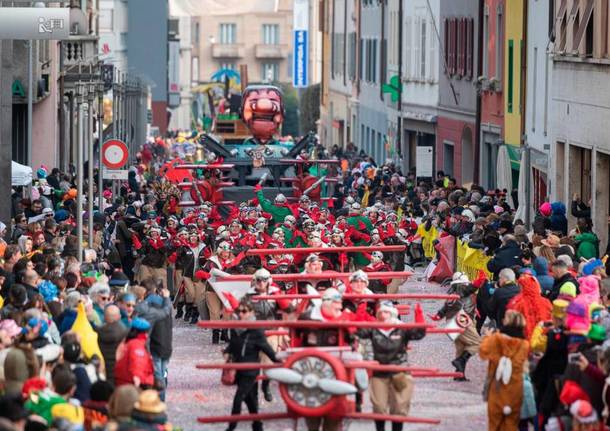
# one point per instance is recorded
(195, 70)
(270, 72)
(228, 65)
(106, 20)
(361, 49)
(499, 37)
(448, 158)
(461, 45)
(422, 59)
(271, 34)
(351, 71)
(469, 47)
(407, 42)
(196, 34)
(228, 33)
(510, 75)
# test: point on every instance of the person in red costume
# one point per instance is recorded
(329, 310)
(134, 364)
(363, 310)
(378, 265)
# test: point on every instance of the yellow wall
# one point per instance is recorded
(514, 38)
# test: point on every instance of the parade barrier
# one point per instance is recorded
(311, 250)
(471, 260)
(428, 237)
(326, 275)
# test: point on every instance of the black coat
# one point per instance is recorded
(566, 278)
(185, 260)
(506, 256)
(246, 345)
(109, 337)
(155, 258)
(390, 347)
(499, 301)
(161, 338)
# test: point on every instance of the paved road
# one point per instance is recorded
(195, 393)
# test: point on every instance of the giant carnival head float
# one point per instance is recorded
(262, 110)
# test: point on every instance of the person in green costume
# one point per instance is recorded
(278, 210)
(362, 227)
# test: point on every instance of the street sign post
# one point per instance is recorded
(114, 154)
(25, 23)
(115, 174)
(300, 78)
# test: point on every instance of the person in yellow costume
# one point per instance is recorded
(88, 337)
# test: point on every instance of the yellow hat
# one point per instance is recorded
(69, 412)
(559, 308)
(149, 402)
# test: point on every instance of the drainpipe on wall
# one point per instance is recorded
(399, 104)
(477, 126)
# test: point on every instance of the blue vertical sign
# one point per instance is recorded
(300, 53)
(301, 59)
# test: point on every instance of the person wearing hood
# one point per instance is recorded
(391, 392)
(246, 345)
(530, 303)
(542, 221)
(135, 365)
(506, 256)
(559, 222)
(506, 351)
(589, 291)
(587, 244)
(541, 267)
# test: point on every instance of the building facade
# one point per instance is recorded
(420, 85)
(538, 93)
(456, 139)
(580, 144)
(491, 85)
(257, 33)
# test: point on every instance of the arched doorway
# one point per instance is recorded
(467, 156)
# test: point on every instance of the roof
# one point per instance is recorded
(221, 7)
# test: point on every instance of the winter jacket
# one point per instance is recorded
(541, 266)
(154, 258)
(588, 245)
(278, 213)
(109, 337)
(559, 222)
(161, 338)
(185, 260)
(390, 346)
(134, 362)
(246, 345)
(499, 301)
(467, 301)
(506, 256)
(541, 224)
(566, 278)
(149, 311)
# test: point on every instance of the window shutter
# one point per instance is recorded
(416, 45)
(469, 47)
(432, 57)
(446, 45)
(461, 46)
(452, 46)
(408, 40)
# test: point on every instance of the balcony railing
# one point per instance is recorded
(221, 50)
(271, 51)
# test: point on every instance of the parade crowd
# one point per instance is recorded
(86, 341)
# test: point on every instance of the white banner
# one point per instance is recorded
(300, 15)
(25, 23)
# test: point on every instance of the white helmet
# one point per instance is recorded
(359, 275)
(262, 275)
(280, 198)
(331, 294)
(290, 219)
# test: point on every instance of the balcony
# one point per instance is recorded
(221, 50)
(271, 51)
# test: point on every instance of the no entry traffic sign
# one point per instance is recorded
(114, 154)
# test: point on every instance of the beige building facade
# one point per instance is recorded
(253, 32)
